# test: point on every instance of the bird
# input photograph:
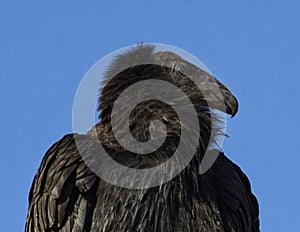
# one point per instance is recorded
(67, 194)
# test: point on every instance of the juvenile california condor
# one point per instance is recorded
(66, 195)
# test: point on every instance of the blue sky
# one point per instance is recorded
(251, 46)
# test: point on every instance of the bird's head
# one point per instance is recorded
(142, 63)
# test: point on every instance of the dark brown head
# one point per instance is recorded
(142, 63)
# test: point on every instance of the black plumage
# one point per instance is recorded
(66, 195)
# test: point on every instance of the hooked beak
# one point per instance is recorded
(231, 103)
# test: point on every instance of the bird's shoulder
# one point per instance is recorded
(237, 203)
(61, 189)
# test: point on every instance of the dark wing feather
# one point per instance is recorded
(238, 206)
(62, 196)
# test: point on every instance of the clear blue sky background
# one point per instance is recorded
(251, 46)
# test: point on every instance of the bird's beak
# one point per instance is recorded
(221, 98)
(231, 103)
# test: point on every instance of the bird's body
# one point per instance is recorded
(66, 195)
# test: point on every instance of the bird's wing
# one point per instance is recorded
(238, 206)
(62, 195)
